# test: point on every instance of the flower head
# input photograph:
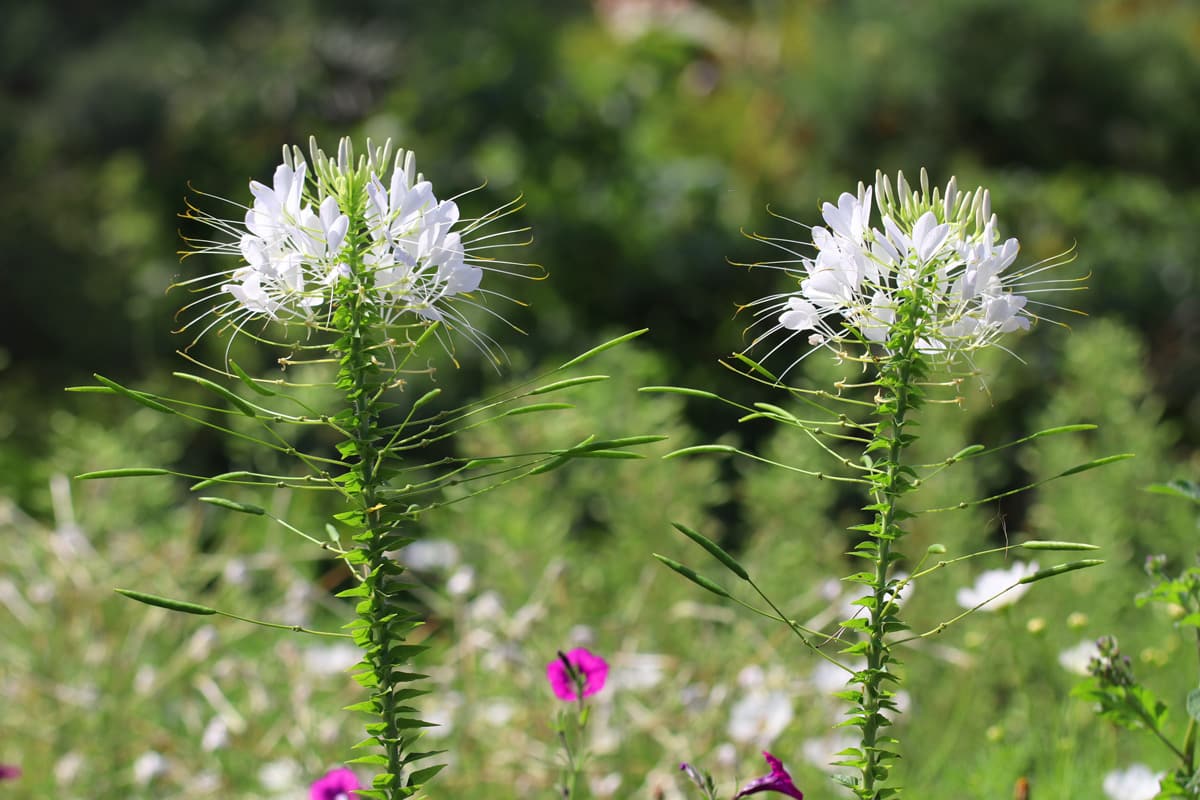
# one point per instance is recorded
(778, 780)
(993, 582)
(935, 262)
(337, 784)
(334, 228)
(1136, 782)
(578, 668)
(9, 772)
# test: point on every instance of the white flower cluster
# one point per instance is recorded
(418, 261)
(291, 253)
(408, 254)
(944, 249)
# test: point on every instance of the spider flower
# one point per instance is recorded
(334, 228)
(578, 669)
(938, 251)
(777, 780)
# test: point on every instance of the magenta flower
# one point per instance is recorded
(778, 781)
(337, 784)
(9, 773)
(577, 669)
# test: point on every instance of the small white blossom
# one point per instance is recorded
(1135, 782)
(1076, 659)
(994, 582)
(760, 716)
(148, 766)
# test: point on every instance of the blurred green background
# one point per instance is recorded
(646, 137)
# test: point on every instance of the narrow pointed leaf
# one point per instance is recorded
(1038, 544)
(233, 505)
(598, 349)
(1060, 569)
(693, 576)
(245, 378)
(166, 602)
(715, 550)
(143, 398)
(125, 472)
(216, 388)
(680, 390)
(567, 383)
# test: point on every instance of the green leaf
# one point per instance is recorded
(1193, 704)
(702, 448)
(233, 505)
(1038, 544)
(714, 550)
(126, 472)
(536, 407)
(216, 388)
(245, 378)
(425, 398)
(138, 397)
(680, 390)
(222, 478)
(1188, 490)
(567, 383)
(595, 351)
(1061, 569)
(1094, 463)
(166, 602)
(693, 576)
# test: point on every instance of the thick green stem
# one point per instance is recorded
(383, 618)
(898, 373)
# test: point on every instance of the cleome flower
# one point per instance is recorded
(939, 251)
(336, 227)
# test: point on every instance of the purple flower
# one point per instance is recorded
(778, 781)
(337, 784)
(578, 668)
(9, 773)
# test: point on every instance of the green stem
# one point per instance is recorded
(897, 373)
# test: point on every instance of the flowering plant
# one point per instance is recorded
(574, 676)
(921, 291)
(351, 266)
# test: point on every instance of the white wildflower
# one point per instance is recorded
(333, 229)
(939, 251)
(1135, 782)
(1076, 659)
(995, 581)
(760, 716)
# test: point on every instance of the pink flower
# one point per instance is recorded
(337, 784)
(778, 781)
(577, 669)
(8, 773)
